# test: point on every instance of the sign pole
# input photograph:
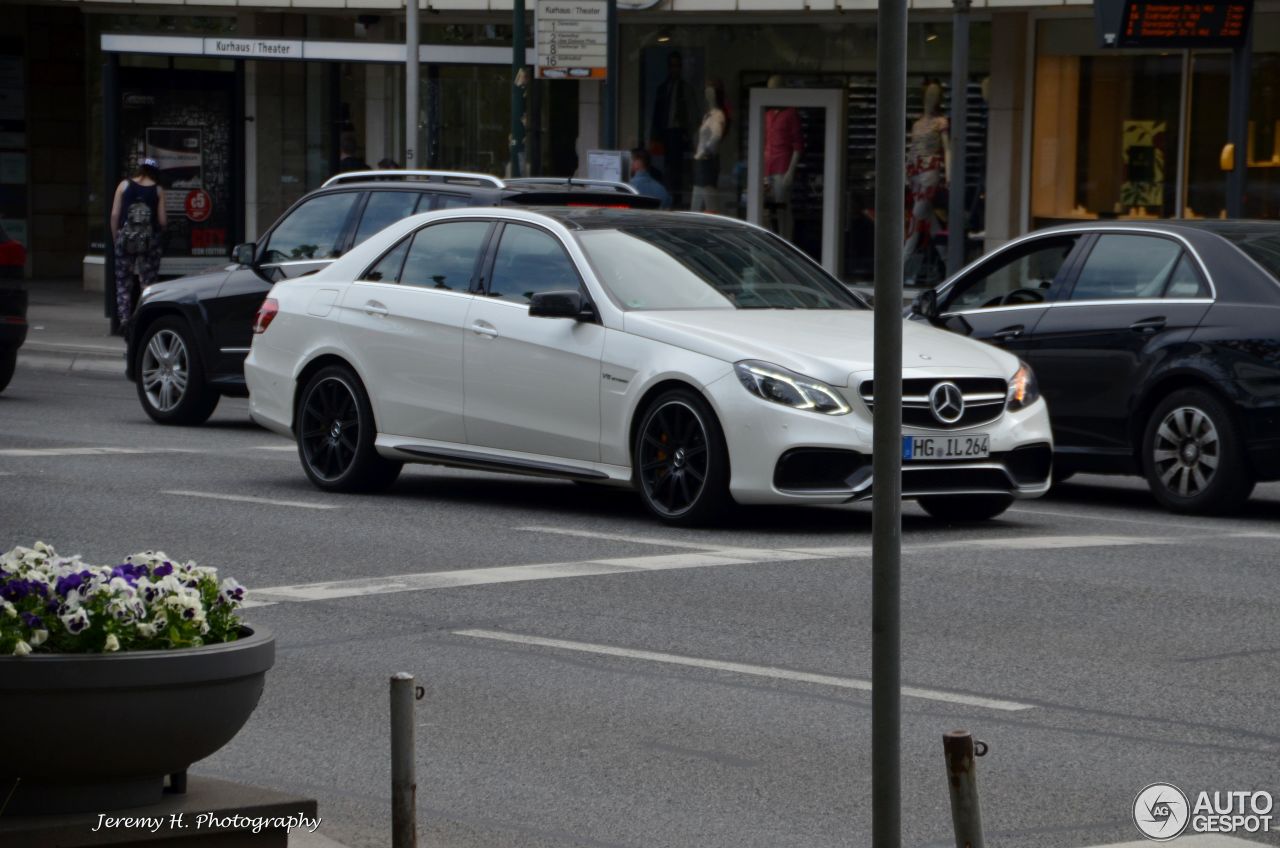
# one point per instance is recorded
(610, 134)
(886, 511)
(957, 231)
(411, 83)
(516, 168)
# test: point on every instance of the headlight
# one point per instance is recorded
(789, 388)
(1023, 389)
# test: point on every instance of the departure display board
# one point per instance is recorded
(1162, 23)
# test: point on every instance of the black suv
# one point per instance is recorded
(189, 337)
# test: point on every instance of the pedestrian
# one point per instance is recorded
(388, 164)
(643, 182)
(137, 227)
(348, 159)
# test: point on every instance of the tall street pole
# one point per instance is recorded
(610, 134)
(517, 90)
(886, 509)
(956, 217)
(411, 156)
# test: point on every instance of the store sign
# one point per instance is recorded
(198, 205)
(1165, 24)
(252, 48)
(572, 38)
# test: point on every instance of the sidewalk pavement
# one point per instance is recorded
(68, 331)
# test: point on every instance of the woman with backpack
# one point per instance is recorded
(137, 225)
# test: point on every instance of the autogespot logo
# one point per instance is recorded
(1160, 811)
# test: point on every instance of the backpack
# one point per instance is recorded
(138, 229)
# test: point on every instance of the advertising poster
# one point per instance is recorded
(177, 153)
(1143, 164)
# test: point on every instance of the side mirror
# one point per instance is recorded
(243, 253)
(561, 304)
(926, 305)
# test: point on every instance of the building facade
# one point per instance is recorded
(249, 105)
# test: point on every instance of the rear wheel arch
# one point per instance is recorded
(309, 370)
(1160, 390)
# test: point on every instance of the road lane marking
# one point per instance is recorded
(337, 589)
(742, 668)
(95, 451)
(634, 539)
(709, 557)
(248, 499)
(1087, 516)
(290, 448)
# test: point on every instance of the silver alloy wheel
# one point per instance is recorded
(1186, 451)
(165, 370)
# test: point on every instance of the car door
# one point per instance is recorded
(306, 239)
(402, 322)
(532, 384)
(1133, 296)
(1002, 299)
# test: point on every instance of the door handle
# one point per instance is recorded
(480, 328)
(1148, 325)
(1008, 333)
(375, 308)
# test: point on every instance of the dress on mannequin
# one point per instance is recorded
(928, 169)
(783, 144)
(706, 161)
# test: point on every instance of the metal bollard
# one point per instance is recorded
(962, 779)
(404, 785)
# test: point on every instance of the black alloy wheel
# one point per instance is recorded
(964, 508)
(681, 462)
(1192, 455)
(335, 432)
(171, 386)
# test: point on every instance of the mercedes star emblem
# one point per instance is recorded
(947, 402)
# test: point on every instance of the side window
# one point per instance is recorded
(384, 209)
(452, 201)
(312, 230)
(1024, 277)
(1185, 281)
(387, 269)
(530, 261)
(443, 256)
(1125, 267)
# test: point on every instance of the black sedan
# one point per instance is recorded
(1157, 346)
(189, 337)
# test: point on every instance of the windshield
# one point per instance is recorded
(700, 267)
(1261, 248)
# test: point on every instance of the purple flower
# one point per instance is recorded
(32, 620)
(129, 571)
(188, 613)
(164, 569)
(72, 581)
(17, 589)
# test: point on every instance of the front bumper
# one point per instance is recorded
(782, 455)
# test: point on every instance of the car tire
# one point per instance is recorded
(171, 386)
(964, 508)
(1193, 457)
(681, 461)
(335, 432)
(8, 362)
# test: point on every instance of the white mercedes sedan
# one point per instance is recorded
(698, 359)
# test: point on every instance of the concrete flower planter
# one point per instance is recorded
(92, 732)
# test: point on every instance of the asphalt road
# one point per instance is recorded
(663, 687)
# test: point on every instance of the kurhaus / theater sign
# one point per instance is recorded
(252, 48)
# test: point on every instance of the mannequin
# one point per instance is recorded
(783, 144)
(706, 161)
(928, 169)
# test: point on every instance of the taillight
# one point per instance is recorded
(266, 314)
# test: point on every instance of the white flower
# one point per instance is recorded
(146, 631)
(9, 609)
(76, 621)
(112, 643)
(21, 649)
(38, 637)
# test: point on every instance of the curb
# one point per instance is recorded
(71, 360)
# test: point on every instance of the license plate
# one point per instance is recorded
(946, 447)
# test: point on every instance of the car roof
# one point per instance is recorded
(597, 218)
